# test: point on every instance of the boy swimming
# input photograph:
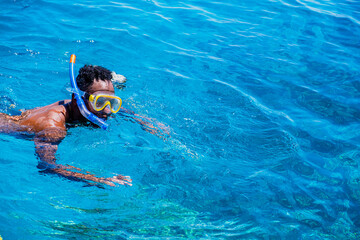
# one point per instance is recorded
(93, 100)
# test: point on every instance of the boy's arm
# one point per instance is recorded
(46, 145)
(150, 125)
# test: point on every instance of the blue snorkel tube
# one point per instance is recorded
(78, 93)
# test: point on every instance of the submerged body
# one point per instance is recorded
(48, 124)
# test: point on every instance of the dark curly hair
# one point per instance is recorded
(88, 73)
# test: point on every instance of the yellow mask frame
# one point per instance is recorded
(101, 100)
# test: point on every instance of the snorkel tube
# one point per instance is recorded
(78, 93)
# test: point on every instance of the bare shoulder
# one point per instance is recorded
(56, 113)
(57, 108)
(53, 115)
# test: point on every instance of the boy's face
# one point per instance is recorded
(100, 86)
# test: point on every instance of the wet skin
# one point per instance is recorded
(48, 124)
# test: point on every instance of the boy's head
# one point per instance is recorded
(94, 80)
(89, 73)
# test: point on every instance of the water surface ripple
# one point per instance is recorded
(261, 98)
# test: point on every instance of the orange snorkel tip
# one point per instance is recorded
(72, 58)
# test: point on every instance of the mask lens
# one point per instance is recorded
(100, 102)
(115, 104)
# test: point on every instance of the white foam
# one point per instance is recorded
(118, 78)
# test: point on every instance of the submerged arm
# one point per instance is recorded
(46, 145)
(150, 125)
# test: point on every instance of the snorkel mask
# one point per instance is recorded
(80, 102)
(100, 101)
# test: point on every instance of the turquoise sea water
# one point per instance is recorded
(261, 98)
